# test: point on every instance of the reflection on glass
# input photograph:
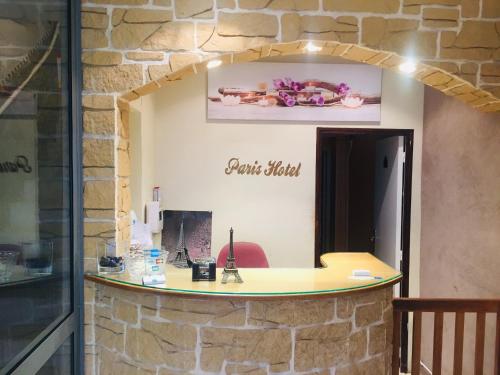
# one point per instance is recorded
(35, 172)
(60, 363)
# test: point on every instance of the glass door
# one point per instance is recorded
(40, 209)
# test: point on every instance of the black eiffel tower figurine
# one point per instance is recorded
(230, 269)
(182, 259)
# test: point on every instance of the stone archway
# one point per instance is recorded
(433, 76)
(430, 75)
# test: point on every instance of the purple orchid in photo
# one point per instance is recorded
(290, 101)
(297, 86)
(342, 89)
(318, 100)
(279, 84)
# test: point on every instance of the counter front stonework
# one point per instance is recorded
(137, 332)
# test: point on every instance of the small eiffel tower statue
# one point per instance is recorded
(230, 269)
(182, 256)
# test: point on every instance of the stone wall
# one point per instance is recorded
(128, 43)
(142, 333)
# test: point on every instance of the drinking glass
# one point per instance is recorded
(7, 263)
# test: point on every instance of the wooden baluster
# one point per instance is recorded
(459, 343)
(417, 335)
(396, 339)
(479, 347)
(497, 344)
(437, 348)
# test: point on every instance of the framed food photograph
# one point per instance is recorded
(270, 91)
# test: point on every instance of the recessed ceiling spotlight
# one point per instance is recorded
(310, 47)
(408, 67)
(214, 63)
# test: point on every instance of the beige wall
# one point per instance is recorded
(278, 213)
(460, 251)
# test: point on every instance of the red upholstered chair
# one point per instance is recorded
(247, 254)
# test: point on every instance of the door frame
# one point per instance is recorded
(41, 349)
(324, 133)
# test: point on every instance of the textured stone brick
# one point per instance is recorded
(477, 40)
(357, 345)
(112, 79)
(109, 333)
(92, 38)
(101, 58)
(491, 9)
(193, 8)
(440, 17)
(124, 169)
(145, 56)
(344, 307)
(147, 16)
(371, 366)
(99, 214)
(98, 102)
(94, 18)
(412, 9)
(432, 2)
(398, 35)
(280, 4)
(247, 24)
(210, 41)
(177, 335)
(368, 314)
(177, 36)
(228, 4)
(131, 36)
(490, 72)
(373, 6)
(321, 346)
(125, 311)
(291, 313)
(179, 60)
(102, 230)
(495, 90)
(272, 346)
(296, 27)
(477, 34)
(99, 194)
(448, 66)
(99, 173)
(121, 2)
(377, 342)
(163, 343)
(117, 16)
(98, 153)
(234, 369)
(156, 72)
(165, 3)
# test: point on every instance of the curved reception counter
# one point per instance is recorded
(280, 320)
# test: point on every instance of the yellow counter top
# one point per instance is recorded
(334, 278)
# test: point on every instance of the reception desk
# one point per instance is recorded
(308, 321)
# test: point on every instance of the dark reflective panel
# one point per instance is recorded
(61, 361)
(35, 173)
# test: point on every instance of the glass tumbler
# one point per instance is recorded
(8, 261)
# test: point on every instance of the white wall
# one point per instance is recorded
(276, 212)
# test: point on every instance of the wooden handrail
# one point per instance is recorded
(438, 306)
(447, 305)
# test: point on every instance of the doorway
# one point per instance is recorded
(363, 198)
